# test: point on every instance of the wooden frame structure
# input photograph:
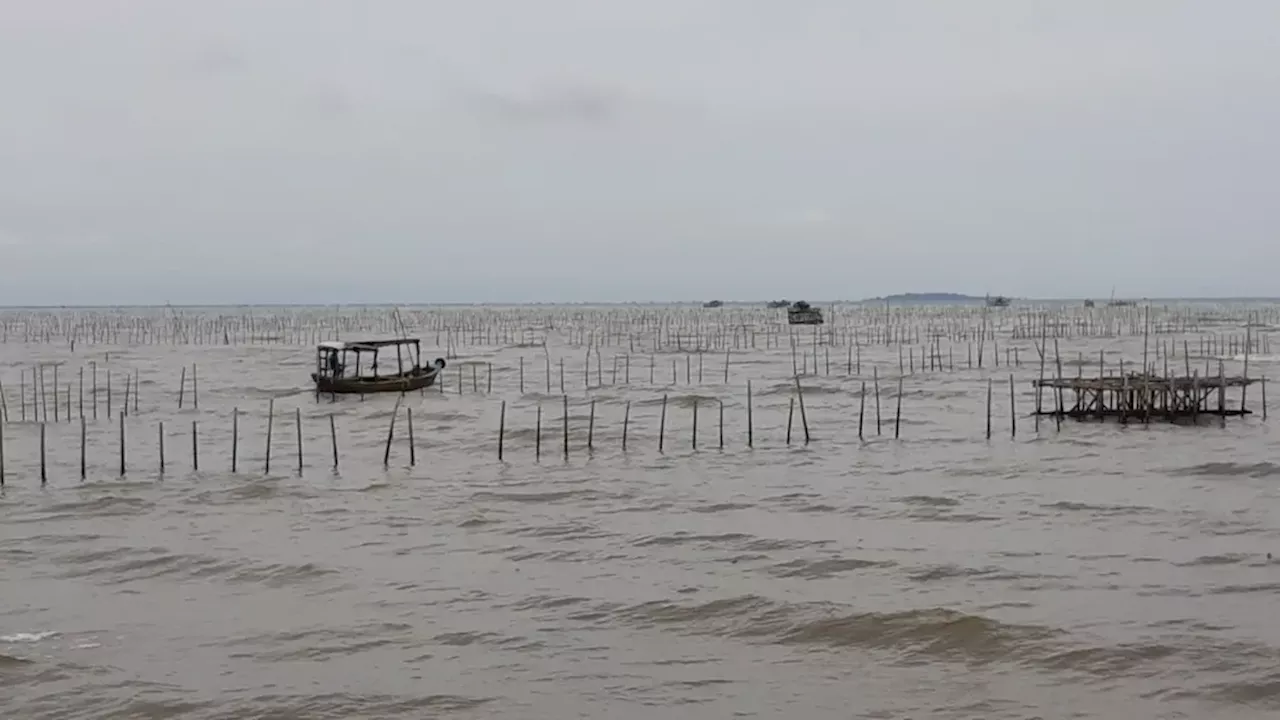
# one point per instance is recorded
(1142, 397)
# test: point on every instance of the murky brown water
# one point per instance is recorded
(1095, 572)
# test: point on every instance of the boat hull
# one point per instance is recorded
(408, 381)
(804, 317)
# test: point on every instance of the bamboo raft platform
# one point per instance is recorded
(1145, 396)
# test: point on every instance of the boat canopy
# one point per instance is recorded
(364, 345)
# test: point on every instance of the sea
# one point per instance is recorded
(847, 543)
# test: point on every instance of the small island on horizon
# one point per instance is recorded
(928, 297)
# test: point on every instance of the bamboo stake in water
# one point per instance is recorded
(43, 475)
(195, 447)
(182, 386)
(333, 438)
(195, 388)
(722, 424)
(391, 429)
(662, 424)
(537, 435)
(413, 453)
(897, 414)
(695, 421)
(1013, 414)
(83, 443)
(297, 424)
(160, 440)
(591, 426)
(990, 383)
(564, 415)
(271, 417)
(626, 421)
(122, 463)
(804, 421)
(502, 428)
(750, 429)
(875, 379)
(235, 437)
(791, 410)
(1, 456)
(862, 407)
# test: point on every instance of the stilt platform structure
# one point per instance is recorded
(1142, 397)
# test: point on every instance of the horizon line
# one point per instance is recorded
(950, 298)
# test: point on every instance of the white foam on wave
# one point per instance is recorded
(28, 637)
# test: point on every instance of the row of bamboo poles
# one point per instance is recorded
(502, 442)
(640, 329)
(871, 417)
(41, 391)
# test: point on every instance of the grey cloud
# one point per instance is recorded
(560, 150)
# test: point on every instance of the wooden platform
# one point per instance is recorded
(1143, 397)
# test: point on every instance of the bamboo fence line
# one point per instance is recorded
(41, 394)
(534, 429)
(641, 329)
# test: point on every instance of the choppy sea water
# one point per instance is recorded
(1095, 571)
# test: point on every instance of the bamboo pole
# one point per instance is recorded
(897, 414)
(271, 417)
(1013, 416)
(591, 424)
(875, 379)
(122, 444)
(297, 424)
(333, 438)
(235, 437)
(804, 420)
(862, 406)
(502, 428)
(791, 411)
(989, 386)
(662, 423)
(626, 422)
(694, 434)
(413, 455)
(391, 430)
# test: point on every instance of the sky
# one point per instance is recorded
(339, 151)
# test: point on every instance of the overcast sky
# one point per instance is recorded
(226, 151)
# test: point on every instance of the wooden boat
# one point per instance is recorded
(336, 374)
(997, 301)
(802, 313)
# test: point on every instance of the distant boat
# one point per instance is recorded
(775, 304)
(801, 313)
(713, 304)
(998, 301)
(335, 375)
